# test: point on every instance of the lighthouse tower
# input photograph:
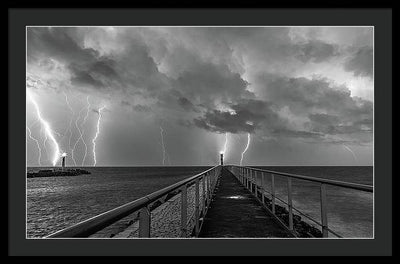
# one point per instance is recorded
(63, 156)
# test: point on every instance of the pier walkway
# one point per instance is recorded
(225, 201)
(234, 212)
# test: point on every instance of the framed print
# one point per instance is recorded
(200, 131)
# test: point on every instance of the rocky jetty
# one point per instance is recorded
(57, 173)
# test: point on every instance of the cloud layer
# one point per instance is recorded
(274, 82)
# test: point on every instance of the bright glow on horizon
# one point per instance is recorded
(47, 129)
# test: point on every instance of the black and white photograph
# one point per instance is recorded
(193, 132)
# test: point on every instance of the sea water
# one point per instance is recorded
(54, 203)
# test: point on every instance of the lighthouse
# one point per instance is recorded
(63, 156)
(222, 158)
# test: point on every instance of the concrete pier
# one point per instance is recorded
(217, 205)
(235, 212)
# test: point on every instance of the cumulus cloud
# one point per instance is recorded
(244, 116)
(361, 62)
(216, 79)
(316, 51)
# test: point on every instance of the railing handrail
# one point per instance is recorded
(350, 185)
(102, 220)
(248, 177)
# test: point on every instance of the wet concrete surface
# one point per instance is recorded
(235, 213)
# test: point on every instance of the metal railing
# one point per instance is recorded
(207, 178)
(248, 177)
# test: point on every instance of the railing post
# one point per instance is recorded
(255, 184)
(144, 222)
(214, 179)
(324, 213)
(247, 179)
(204, 194)
(208, 188)
(244, 177)
(183, 210)
(197, 206)
(289, 185)
(251, 180)
(262, 187)
(273, 193)
(206, 182)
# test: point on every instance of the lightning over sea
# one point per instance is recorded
(244, 151)
(96, 135)
(198, 132)
(47, 129)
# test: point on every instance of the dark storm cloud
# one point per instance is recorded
(297, 133)
(141, 108)
(324, 119)
(59, 43)
(316, 51)
(329, 108)
(206, 82)
(197, 82)
(136, 107)
(196, 72)
(105, 67)
(335, 127)
(361, 62)
(132, 69)
(303, 94)
(246, 116)
(187, 104)
(83, 77)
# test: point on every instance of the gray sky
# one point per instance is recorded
(174, 95)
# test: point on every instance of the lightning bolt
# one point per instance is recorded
(247, 146)
(162, 144)
(84, 122)
(225, 144)
(349, 149)
(47, 128)
(44, 145)
(37, 144)
(70, 124)
(96, 135)
(45, 142)
(80, 131)
(58, 134)
(80, 134)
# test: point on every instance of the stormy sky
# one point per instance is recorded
(137, 96)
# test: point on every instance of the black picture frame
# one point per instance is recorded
(380, 18)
